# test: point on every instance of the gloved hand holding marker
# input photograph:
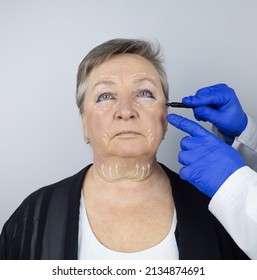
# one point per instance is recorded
(208, 161)
(219, 105)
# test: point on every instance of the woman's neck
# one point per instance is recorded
(126, 181)
(119, 169)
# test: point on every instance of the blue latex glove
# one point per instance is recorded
(219, 105)
(207, 160)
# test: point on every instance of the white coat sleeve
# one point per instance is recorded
(235, 206)
(246, 143)
(235, 203)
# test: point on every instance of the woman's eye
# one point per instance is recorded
(146, 94)
(104, 97)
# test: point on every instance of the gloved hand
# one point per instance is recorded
(219, 105)
(207, 161)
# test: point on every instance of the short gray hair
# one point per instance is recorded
(148, 50)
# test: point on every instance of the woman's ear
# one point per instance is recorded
(84, 124)
(166, 126)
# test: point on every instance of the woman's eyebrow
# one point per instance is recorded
(139, 80)
(135, 81)
(103, 82)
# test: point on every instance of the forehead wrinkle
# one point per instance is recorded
(104, 82)
(106, 78)
(143, 74)
(138, 81)
(140, 77)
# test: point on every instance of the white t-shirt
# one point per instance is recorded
(89, 248)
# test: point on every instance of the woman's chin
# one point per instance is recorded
(130, 151)
(128, 154)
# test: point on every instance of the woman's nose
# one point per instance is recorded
(126, 109)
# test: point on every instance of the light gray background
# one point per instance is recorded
(42, 43)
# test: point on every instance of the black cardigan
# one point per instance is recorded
(45, 225)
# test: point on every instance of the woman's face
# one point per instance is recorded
(124, 108)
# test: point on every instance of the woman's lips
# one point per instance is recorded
(127, 133)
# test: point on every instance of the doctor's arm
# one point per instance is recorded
(219, 171)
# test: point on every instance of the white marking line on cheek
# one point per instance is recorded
(115, 105)
(106, 137)
(101, 108)
(149, 136)
(147, 132)
(144, 105)
(150, 105)
(151, 140)
(136, 104)
(105, 141)
(105, 108)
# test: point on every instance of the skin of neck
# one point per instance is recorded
(115, 169)
(125, 180)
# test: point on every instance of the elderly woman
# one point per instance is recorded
(125, 205)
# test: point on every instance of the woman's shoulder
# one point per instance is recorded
(44, 213)
(56, 195)
(61, 187)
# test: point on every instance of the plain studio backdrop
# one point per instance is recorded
(42, 43)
